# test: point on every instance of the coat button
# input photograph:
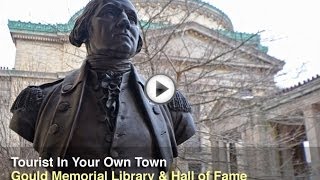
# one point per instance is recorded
(54, 128)
(156, 110)
(67, 87)
(63, 106)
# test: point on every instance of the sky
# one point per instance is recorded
(291, 29)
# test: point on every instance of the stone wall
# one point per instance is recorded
(39, 56)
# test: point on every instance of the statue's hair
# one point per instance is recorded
(80, 31)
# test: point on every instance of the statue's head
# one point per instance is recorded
(108, 27)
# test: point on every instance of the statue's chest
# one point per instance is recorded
(131, 135)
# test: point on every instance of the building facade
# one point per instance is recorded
(244, 122)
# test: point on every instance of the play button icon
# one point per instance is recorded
(160, 89)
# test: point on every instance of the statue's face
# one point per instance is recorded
(114, 30)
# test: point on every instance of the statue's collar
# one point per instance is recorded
(78, 76)
(74, 78)
(136, 76)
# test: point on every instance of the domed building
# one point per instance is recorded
(228, 77)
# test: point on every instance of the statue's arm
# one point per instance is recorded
(25, 110)
(182, 119)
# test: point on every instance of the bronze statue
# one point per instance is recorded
(100, 110)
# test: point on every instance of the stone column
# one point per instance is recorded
(241, 156)
(263, 156)
(312, 126)
(223, 161)
(287, 169)
(214, 154)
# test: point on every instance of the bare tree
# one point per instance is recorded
(11, 145)
(227, 83)
(227, 80)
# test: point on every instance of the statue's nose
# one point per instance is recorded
(124, 21)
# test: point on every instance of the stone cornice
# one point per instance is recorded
(215, 63)
(286, 90)
(294, 93)
(247, 48)
(39, 37)
(32, 74)
(253, 39)
(37, 28)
